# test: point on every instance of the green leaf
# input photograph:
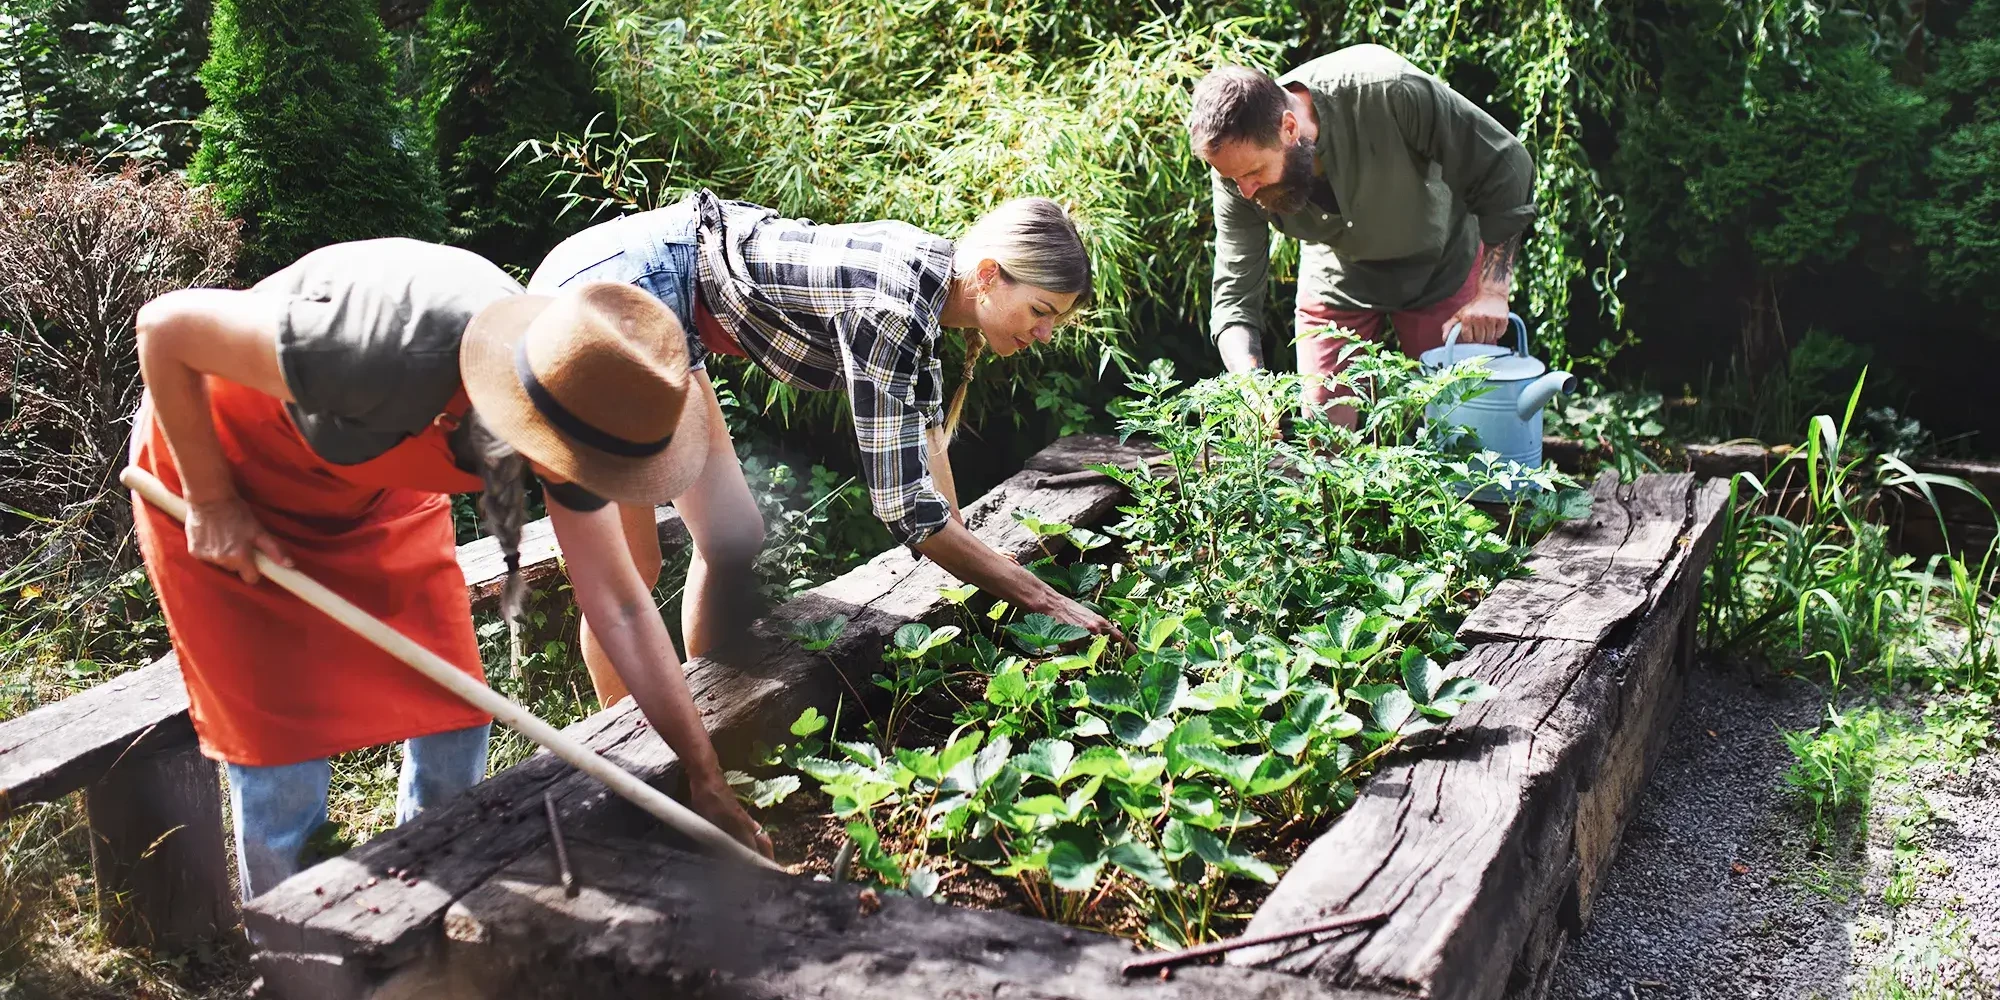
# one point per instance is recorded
(1159, 632)
(1160, 687)
(1288, 739)
(1175, 840)
(958, 595)
(1048, 759)
(1573, 504)
(769, 792)
(1421, 677)
(817, 636)
(1345, 725)
(1088, 725)
(1196, 804)
(1142, 862)
(1391, 709)
(1075, 858)
(1291, 734)
(913, 638)
(1139, 731)
(1085, 539)
(923, 883)
(1195, 732)
(1102, 760)
(1009, 687)
(1115, 692)
(1230, 858)
(988, 763)
(1274, 776)
(809, 723)
(1042, 805)
(960, 751)
(1461, 691)
(922, 763)
(865, 754)
(1236, 769)
(1038, 633)
(1315, 704)
(1039, 527)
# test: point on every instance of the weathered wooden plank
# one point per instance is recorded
(1430, 840)
(744, 694)
(1643, 697)
(1486, 849)
(656, 921)
(485, 568)
(156, 850)
(59, 748)
(1591, 576)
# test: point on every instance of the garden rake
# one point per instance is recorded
(440, 671)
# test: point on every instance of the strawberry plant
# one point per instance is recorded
(1290, 603)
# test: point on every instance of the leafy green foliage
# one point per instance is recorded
(117, 79)
(1960, 223)
(1286, 634)
(301, 138)
(1835, 768)
(498, 74)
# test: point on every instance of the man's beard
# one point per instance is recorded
(1293, 190)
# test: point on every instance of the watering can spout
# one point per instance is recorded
(1539, 392)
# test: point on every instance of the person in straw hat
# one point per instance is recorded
(324, 418)
(857, 307)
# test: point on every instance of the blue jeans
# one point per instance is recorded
(278, 808)
(654, 251)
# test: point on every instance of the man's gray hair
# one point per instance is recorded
(1235, 103)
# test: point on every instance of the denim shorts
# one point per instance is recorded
(653, 250)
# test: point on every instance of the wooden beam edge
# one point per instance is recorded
(337, 920)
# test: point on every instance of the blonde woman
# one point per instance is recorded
(861, 307)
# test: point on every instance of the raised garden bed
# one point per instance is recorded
(1960, 523)
(1481, 844)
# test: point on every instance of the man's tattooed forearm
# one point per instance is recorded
(1497, 268)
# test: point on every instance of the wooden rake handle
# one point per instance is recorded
(441, 672)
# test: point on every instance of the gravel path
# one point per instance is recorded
(1710, 894)
(1696, 905)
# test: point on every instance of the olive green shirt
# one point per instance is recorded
(1418, 177)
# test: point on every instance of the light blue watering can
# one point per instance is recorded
(1507, 418)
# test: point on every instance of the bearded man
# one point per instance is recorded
(1408, 202)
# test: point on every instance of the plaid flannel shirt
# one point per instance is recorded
(821, 307)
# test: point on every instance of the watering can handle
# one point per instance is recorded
(1519, 328)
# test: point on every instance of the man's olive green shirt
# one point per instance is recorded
(1420, 176)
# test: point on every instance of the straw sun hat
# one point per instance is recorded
(593, 384)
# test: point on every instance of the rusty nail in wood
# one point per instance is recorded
(1171, 959)
(562, 850)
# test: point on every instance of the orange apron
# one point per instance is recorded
(272, 680)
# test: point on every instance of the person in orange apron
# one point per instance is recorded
(324, 418)
(860, 308)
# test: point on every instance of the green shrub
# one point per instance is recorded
(497, 74)
(1960, 223)
(301, 139)
(1792, 167)
(117, 78)
(1835, 769)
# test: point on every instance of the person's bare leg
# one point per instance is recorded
(642, 538)
(728, 532)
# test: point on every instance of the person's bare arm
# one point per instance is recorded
(955, 548)
(627, 625)
(184, 337)
(940, 463)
